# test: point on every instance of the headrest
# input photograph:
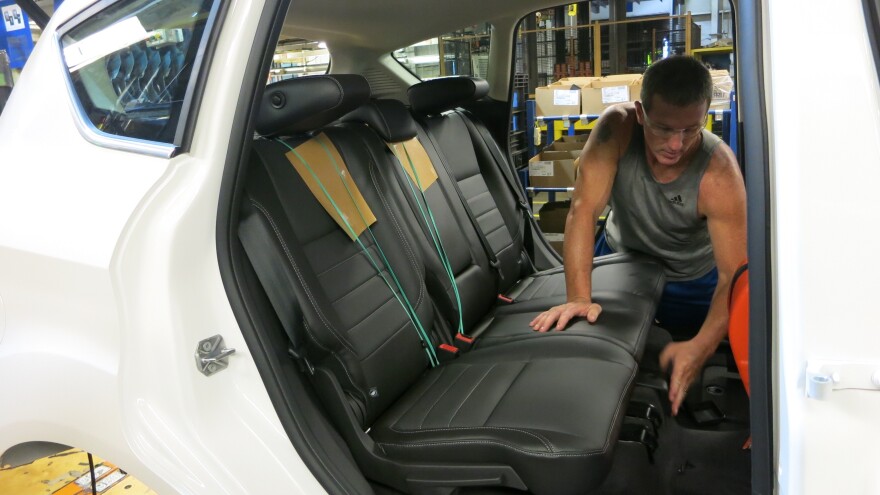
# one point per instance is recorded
(308, 103)
(439, 95)
(389, 118)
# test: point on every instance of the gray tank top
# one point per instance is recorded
(661, 219)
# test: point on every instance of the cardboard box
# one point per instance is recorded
(558, 99)
(577, 138)
(581, 82)
(610, 90)
(560, 145)
(722, 85)
(552, 169)
(552, 216)
(551, 219)
(562, 97)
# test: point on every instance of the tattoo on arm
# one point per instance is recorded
(603, 132)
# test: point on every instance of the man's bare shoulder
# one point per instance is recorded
(614, 125)
(723, 166)
(722, 183)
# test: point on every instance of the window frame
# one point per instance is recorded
(192, 96)
(872, 25)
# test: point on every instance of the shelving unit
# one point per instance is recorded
(723, 123)
(518, 141)
(297, 58)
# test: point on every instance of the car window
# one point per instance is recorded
(464, 52)
(131, 65)
(297, 58)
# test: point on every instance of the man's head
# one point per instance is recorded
(681, 81)
(676, 93)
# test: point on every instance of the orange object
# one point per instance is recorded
(738, 327)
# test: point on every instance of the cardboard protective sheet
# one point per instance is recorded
(420, 161)
(316, 161)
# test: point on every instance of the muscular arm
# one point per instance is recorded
(597, 169)
(722, 201)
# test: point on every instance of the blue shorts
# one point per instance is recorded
(684, 304)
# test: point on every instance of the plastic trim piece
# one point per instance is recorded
(872, 20)
(750, 64)
(290, 393)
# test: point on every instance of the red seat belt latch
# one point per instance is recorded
(505, 299)
(448, 352)
(464, 342)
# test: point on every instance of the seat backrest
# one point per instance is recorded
(738, 327)
(473, 166)
(354, 324)
(391, 122)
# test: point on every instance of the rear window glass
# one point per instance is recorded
(464, 52)
(298, 58)
(131, 65)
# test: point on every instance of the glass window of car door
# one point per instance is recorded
(132, 65)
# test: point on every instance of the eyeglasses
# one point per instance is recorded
(666, 132)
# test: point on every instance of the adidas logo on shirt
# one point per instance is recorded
(676, 200)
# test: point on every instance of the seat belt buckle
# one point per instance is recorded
(496, 265)
(505, 299)
(447, 352)
(302, 360)
(463, 342)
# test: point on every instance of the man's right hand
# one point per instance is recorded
(562, 314)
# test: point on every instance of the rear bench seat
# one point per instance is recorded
(628, 301)
(457, 138)
(540, 414)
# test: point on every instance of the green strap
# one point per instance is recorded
(435, 232)
(401, 296)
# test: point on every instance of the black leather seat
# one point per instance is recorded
(626, 285)
(457, 138)
(542, 415)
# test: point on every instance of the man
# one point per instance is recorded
(676, 193)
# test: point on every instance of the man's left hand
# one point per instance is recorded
(687, 359)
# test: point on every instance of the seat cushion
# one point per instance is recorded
(625, 321)
(624, 272)
(549, 408)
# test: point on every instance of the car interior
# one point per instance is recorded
(389, 263)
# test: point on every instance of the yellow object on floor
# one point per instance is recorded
(67, 473)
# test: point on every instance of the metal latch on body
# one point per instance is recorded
(826, 376)
(211, 355)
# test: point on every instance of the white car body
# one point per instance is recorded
(109, 274)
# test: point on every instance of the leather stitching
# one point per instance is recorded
(468, 396)
(515, 378)
(440, 396)
(540, 438)
(409, 252)
(495, 442)
(295, 267)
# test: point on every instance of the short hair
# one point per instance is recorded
(680, 80)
